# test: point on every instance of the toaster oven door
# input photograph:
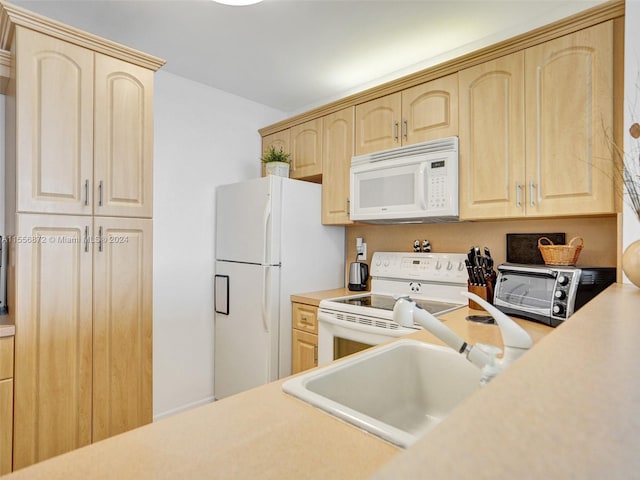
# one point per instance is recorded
(526, 294)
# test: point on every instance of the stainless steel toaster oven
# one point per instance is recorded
(548, 294)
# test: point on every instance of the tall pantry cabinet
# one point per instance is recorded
(79, 165)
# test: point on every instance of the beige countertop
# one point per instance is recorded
(570, 408)
(7, 329)
(313, 298)
(567, 409)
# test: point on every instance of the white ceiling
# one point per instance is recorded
(296, 54)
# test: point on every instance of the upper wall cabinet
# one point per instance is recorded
(278, 140)
(535, 128)
(306, 149)
(424, 112)
(491, 148)
(83, 132)
(569, 124)
(123, 139)
(54, 125)
(337, 150)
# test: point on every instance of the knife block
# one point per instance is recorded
(484, 292)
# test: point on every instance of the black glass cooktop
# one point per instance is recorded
(386, 302)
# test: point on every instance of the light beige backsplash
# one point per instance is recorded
(599, 234)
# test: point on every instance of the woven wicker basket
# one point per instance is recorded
(560, 254)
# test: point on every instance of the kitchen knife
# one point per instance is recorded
(471, 256)
(470, 272)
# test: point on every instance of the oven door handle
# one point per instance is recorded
(394, 332)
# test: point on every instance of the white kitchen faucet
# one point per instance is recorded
(516, 340)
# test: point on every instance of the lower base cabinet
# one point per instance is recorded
(6, 404)
(304, 351)
(80, 297)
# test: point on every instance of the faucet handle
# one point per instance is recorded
(492, 368)
(513, 335)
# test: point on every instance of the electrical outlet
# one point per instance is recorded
(362, 252)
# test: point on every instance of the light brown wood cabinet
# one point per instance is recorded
(306, 149)
(417, 114)
(337, 150)
(278, 140)
(122, 325)
(304, 352)
(6, 404)
(535, 130)
(84, 130)
(79, 155)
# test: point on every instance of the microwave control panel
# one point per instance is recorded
(438, 191)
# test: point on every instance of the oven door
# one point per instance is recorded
(338, 338)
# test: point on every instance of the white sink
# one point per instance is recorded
(398, 391)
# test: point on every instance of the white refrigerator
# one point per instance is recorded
(270, 243)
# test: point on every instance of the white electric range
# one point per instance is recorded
(355, 322)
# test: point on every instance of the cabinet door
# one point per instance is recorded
(278, 140)
(304, 351)
(54, 125)
(430, 110)
(306, 149)
(6, 404)
(123, 183)
(569, 118)
(337, 151)
(122, 325)
(53, 347)
(378, 124)
(6, 424)
(492, 166)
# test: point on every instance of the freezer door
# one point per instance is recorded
(246, 338)
(248, 221)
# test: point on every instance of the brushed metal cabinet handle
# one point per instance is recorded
(395, 131)
(405, 128)
(86, 192)
(100, 188)
(532, 188)
(100, 239)
(518, 202)
(86, 238)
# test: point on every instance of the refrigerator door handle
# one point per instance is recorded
(267, 240)
(265, 298)
(221, 294)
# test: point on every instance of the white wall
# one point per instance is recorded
(203, 138)
(631, 225)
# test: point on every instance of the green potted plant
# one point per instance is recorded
(276, 162)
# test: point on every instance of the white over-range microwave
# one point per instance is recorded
(412, 184)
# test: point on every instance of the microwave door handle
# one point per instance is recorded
(421, 189)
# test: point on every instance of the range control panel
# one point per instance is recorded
(433, 267)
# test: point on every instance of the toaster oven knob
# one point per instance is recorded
(558, 309)
(560, 294)
(563, 280)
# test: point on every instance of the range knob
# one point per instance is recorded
(461, 266)
(563, 280)
(449, 265)
(558, 309)
(560, 294)
(438, 265)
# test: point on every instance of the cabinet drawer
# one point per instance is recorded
(6, 357)
(305, 317)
